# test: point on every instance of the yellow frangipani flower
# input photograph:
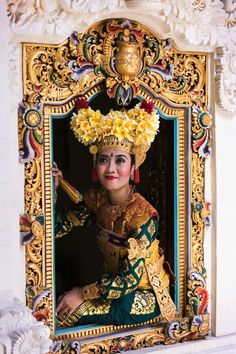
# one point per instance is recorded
(136, 125)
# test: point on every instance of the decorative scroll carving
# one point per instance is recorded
(57, 72)
(201, 22)
(40, 301)
(56, 17)
(208, 22)
(188, 328)
(19, 330)
(200, 131)
(226, 77)
(197, 226)
(197, 293)
(84, 64)
(129, 56)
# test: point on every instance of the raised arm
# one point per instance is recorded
(77, 215)
(72, 192)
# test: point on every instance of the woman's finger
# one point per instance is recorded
(64, 311)
(60, 305)
(70, 313)
(59, 298)
(55, 171)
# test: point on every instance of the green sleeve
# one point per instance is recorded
(132, 267)
(78, 215)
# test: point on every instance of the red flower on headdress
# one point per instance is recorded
(147, 106)
(81, 103)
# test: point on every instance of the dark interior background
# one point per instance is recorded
(78, 260)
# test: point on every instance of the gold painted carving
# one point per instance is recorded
(104, 57)
(123, 55)
(127, 59)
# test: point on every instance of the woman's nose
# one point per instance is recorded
(111, 165)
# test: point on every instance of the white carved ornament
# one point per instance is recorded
(207, 22)
(201, 21)
(20, 333)
(58, 17)
(226, 77)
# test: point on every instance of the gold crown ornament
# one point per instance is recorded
(133, 130)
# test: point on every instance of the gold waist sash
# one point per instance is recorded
(154, 276)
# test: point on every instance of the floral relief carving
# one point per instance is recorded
(20, 332)
(15, 78)
(210, 22)
(58, 17)
(226, 77)
(202, 22)
(230, 8)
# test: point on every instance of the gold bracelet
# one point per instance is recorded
(74, 195)
(89, 292)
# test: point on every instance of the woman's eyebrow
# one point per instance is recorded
(121, 155)
(118, 155)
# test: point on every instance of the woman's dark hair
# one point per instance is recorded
(132, 160)
(131, 182)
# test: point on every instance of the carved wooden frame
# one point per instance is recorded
(177, 82)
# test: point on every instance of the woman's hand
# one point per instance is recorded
(56, 172)
(69, 302)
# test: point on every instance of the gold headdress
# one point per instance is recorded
(133, 130)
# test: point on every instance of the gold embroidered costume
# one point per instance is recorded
(134, 288)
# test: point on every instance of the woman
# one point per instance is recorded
(134, 288)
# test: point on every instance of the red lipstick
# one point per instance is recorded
(111, 178)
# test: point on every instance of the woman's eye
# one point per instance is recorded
(120, 160)
(102, 160)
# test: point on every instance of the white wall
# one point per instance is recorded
(225, 222)
(223, 238)
(11, 179)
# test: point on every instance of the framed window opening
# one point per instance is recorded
(179, 91)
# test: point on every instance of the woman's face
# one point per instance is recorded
(114, 168)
